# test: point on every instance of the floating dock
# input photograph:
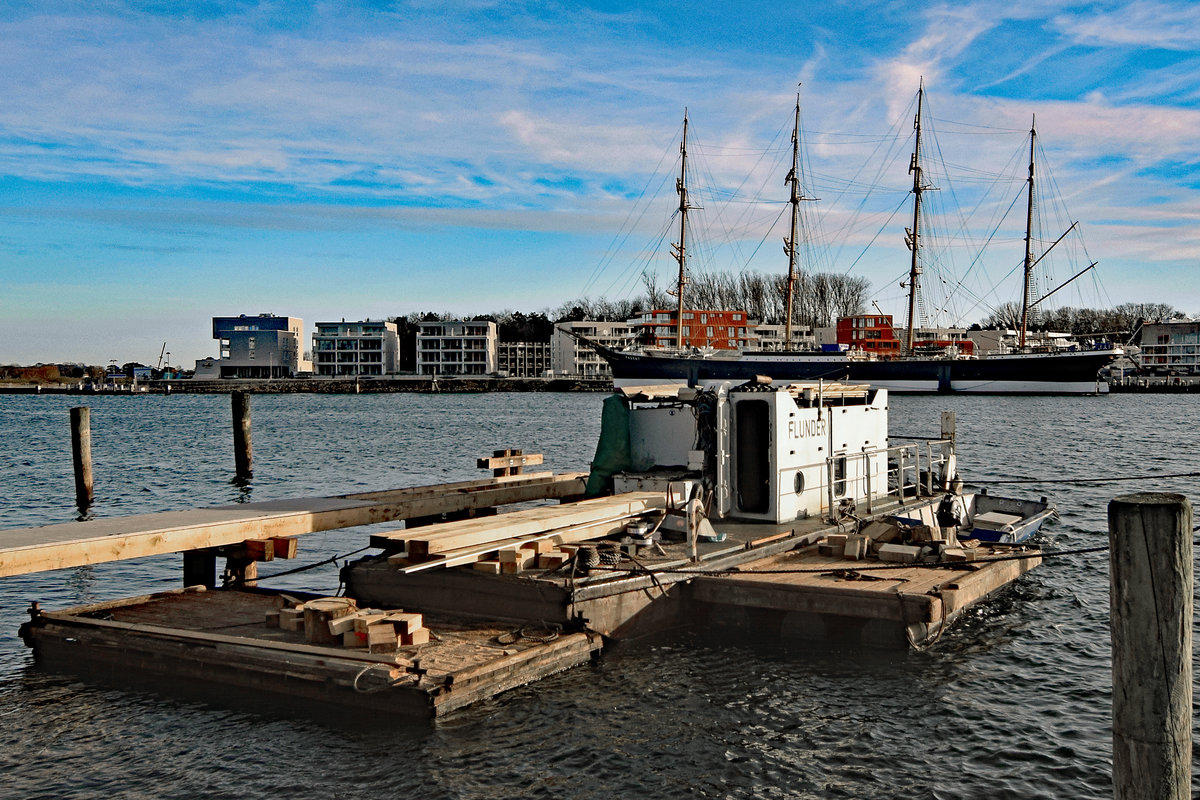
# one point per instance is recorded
(223, 638)
(785, 513)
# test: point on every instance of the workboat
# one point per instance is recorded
(765, 510)
(1025, 368)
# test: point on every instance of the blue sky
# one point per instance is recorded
(164, 163)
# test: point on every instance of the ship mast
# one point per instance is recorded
(1028, 238)
(914, 233)
(793, 178)
(680, 249)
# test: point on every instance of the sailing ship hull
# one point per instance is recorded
(1021, 373)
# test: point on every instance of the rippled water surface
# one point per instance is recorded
(1014, 701)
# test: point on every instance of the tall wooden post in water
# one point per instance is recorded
(242, 455)
(1150, 538)
(81, 455)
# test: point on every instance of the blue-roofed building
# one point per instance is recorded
(263, 346)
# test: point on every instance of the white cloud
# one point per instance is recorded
(1139, 24)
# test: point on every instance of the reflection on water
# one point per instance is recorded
(1013, 701)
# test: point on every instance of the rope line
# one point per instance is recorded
(1089, 480)
(330, 560)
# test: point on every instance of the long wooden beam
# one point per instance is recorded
(530, 522)
(76, 544)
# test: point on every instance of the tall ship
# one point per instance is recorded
(1024, 368)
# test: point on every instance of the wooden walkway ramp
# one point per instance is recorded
(75, 544)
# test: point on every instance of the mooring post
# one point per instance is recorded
(243, 458)
(1150, 540)
(81, 455)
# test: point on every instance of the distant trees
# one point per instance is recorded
(1125, 318)
(818, 299)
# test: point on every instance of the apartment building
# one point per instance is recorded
(343, 349)
(523, 359)
(1171, 347)
(721, 330)
(263, 346)
(569, 356)
(455, 347)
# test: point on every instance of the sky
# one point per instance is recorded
(162, 163)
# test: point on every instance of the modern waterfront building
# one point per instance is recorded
(263, 346)
(721, 330)
(771, 337)
(367, 347)
(569, 356)
(875, 333)
(455, 347)
(523, 359)
(1171, 347)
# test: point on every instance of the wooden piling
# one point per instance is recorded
(81, 455)
(242, 451)
(1150, 538)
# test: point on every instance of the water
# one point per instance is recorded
(1012, 702)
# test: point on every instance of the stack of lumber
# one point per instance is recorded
(338, 621)
(508, 543)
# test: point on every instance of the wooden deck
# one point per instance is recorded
(802, 594)
(221, 639)
(75, 544)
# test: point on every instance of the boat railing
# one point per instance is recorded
(909, 472)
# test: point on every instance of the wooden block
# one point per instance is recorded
(857, 547)
(490, 566)
(273, 618)
(954, 554)
(365, 620)
(419, 636)
(900, 553)
(285, 546)
(354, 639)
(318, 613)
(259, 549)
(551, 560)
(881, 532)
(381, 638)
(511, 567)
(341, 625)
(521, 556)
(925, 533)
(291, 619)
(404, 623)
(836, 539)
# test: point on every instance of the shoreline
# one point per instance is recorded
(409, 383)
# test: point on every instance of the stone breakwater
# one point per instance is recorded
(419, 384)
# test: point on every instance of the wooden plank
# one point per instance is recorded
(532, 522)
(74, 544)
(562, 536)
(216, 638)
(501, 462)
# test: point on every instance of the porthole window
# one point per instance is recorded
(799, 483)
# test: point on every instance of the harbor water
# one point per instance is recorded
(1012, 702)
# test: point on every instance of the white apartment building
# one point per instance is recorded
(569, 356)
(771, 337)
(367, 347)
(455, 347)
(1171, 347)
(523, 359)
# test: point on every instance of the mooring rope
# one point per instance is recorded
(1069, 481)
(330, 560)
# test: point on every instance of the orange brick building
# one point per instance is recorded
(874, 333)
(723, 330)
